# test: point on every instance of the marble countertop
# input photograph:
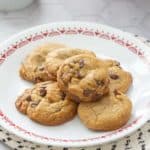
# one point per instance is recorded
(131, 16)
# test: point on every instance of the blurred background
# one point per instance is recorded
(128, 15)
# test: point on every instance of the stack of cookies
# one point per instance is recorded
(70, 81)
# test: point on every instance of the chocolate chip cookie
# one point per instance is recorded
(33, 68)
(111, 63)
(109, 113)
(83, 78)
(57, 57)
(119, 79)
(46, 104)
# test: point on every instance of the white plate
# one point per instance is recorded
(104, 41)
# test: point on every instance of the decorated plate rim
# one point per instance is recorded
(74, 28)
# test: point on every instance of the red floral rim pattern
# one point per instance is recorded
(61, 31)
(7, 120)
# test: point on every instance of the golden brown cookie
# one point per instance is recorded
(111, 63)
(119, 79)
(33, 68)
(57, 57)
(83, 77)
(109, 113)
(46, 104)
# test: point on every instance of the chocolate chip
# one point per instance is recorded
(81, 63)
(87, 92)
(114, 76)
(41, 68)
(38, 79)
(29, 98)
(63, 95)
(100, 82)
(96, 96)
(116, 92)
(43, 92)
(74, 98)
(117, 63)
(35, 103)
(79, 76)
